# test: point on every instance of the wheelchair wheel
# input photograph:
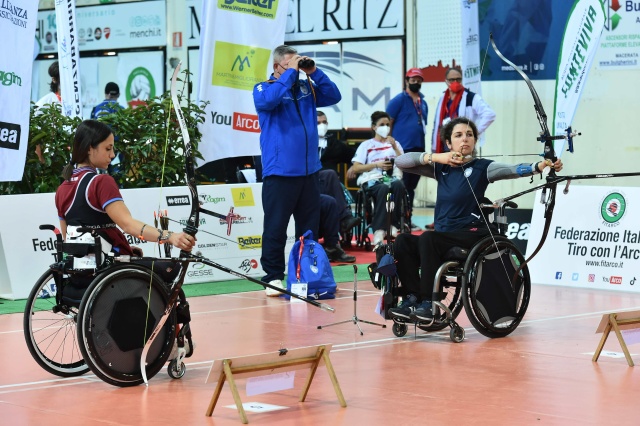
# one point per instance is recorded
(50, 330)
(399, 329)
(494, 297)
(114, 323)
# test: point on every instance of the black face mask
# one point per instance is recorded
(415, 87)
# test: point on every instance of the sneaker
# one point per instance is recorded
(336, 254)
(404, 309)
(414, 227)
(423, 311)
(349, 223)
(274, 293)
(378, 236)
(394, 231)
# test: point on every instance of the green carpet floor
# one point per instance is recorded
(341, 273)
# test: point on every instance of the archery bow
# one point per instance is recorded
(191, 228)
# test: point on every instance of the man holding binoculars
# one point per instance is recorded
(287, 111)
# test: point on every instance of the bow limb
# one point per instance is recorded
(191, 227)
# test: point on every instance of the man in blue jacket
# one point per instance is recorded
(286, 106)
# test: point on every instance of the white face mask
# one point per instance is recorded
(322, 129)
(383, 130)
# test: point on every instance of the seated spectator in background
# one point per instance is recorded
(329, 231)
(378, 175)
(332, 150)
(330, 185)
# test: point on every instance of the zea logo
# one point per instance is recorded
(250, 242)
(238, 66)
(262, 8)
(9, 135)
(242, 197)
(9, 78)
(613, 208)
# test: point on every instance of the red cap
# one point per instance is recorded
(414, 72)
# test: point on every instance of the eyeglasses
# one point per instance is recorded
(451, 80)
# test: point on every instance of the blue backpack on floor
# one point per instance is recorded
(308, 263)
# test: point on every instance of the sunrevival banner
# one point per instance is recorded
(237, 39)
(68, 58)
(17, 32)
(579, 44)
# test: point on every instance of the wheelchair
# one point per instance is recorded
(79, 318)
(488, 280)
(365, 207)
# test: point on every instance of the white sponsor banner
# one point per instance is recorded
(26, 251)
(620, 43)
(381, 61)
(113, 26)
(69, 58)
(335, 20)
(17, 26)
(579, 45)
(140, 76)
(598, 248)
(470, 46)
(235, 54)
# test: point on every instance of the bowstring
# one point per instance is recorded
(495, 242)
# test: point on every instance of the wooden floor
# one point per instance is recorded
(540, 375)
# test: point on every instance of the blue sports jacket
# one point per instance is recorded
(288, 121)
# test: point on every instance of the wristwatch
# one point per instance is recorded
(164, 238)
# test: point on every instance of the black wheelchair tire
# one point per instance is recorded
(51, 336)
(471, 305)
(101, 343)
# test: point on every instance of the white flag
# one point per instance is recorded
(68, 58)
(579, 45)
(17, 32)
(235, 54)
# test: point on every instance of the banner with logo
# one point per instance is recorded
(68, 58)
(235, 54)
(470, 46)
(26, 251)
(579, 45)
(112, 26)
(598, 248)
(140, 76)
(619, 47)
(17, 28)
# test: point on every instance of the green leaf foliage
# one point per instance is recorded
(149, 137)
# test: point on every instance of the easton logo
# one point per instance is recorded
(9, 135)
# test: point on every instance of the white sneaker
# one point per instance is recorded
(378, 236)
(274, 293)
(394, 231)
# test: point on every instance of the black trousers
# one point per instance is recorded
(420, 256)
(283, 197)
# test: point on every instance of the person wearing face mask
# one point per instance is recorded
(458, 101)
(408, 111)
(378, 174)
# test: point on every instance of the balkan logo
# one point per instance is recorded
(242, 197)
(238, 66)
(9, 135)
(262, 8)
(613, 208)
(250, 242)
